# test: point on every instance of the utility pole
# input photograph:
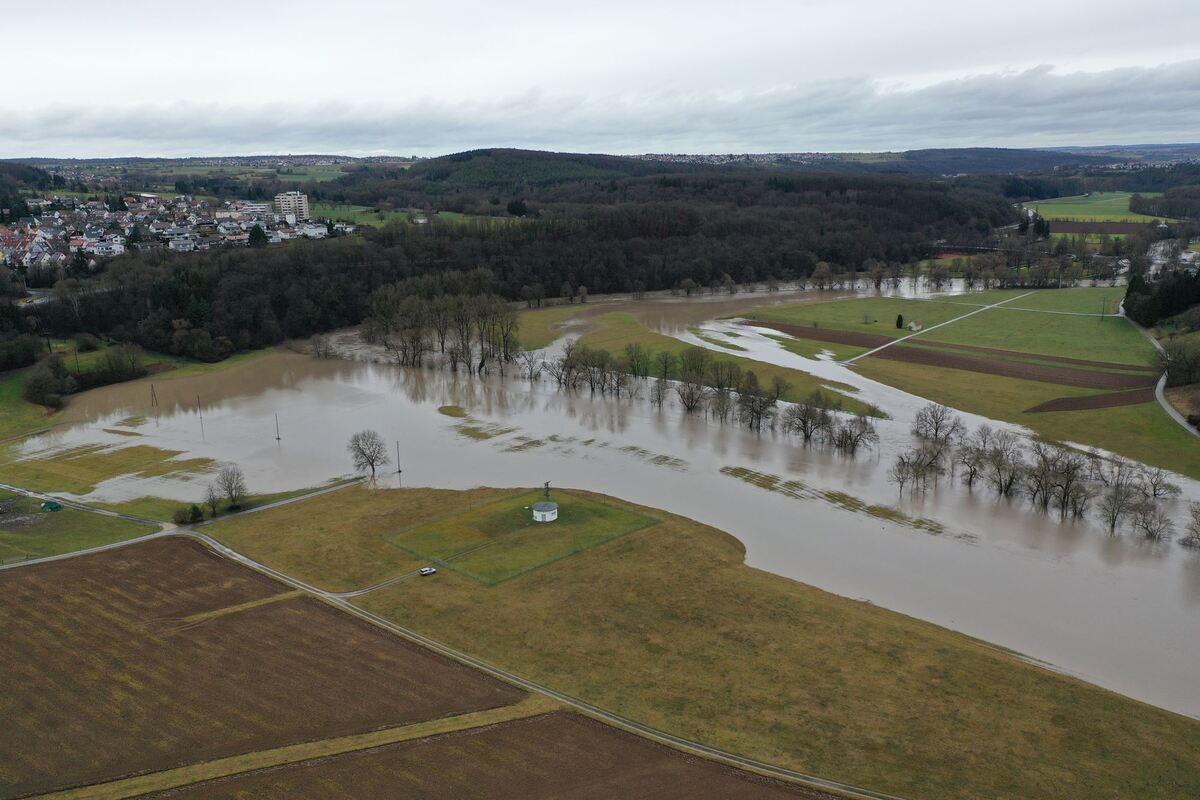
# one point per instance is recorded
(200, 411)
(399, 472)
(277, 426)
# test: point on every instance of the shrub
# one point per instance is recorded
(899, 321)
(182, 516)
(195, 513)
(48, 382)
(86, 342)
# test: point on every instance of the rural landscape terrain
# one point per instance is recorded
(600, 402)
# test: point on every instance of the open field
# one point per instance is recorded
(341, 543)
(1109, 339)
(1075, 299)
(539, 326)
(668, 626)
(871, 315)
(500, 541)
(359, 215)
(552, 755)
(1094, 207)
(28, 532)
(614, 330)
(161, 654)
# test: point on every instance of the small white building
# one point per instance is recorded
(545, 511)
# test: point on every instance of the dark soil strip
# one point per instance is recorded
(1111, 400)
(1081, 362)
(873, 340)
(1063, 376)
(1080, 226)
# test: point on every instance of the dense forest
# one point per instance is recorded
(630, 234)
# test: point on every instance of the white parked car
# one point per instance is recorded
(427, 570)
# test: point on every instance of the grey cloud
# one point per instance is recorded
(1027, 108)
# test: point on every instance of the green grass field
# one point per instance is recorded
(875, 315)
(668, 626)
(1076, 299)
(28, 532)
(358, 215)
(500, 541)
(539, 325)
(616, 329)
(1094, 338)
(1095, 207)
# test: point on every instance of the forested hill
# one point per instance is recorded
(577, 224)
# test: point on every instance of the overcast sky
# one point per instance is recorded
(139, 78)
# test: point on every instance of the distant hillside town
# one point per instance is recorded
(64, 229)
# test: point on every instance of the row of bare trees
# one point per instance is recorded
(471, 331)
(1052, 476)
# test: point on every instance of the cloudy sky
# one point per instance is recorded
(139, 78)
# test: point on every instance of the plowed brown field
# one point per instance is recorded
(555, 755)
(100, 682)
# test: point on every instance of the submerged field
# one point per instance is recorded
(668, 626)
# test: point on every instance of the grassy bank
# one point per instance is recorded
(669, 626)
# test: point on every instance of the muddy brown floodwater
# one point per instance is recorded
(1118, 611)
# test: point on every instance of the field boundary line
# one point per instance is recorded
(192, 774)
(934, 327)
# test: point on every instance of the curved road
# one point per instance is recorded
(340, 600)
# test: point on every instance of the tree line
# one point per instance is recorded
(1053, 477)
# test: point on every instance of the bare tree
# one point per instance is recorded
(1004, 462)
(212, 499)
(1154, 483)
(1193, 527)
(368, 451)
(1151, 521)
(320, 346)
(857, 433)
(808, 418)
(231, 481)
(938, 423)
(658, 391)
(531, 364)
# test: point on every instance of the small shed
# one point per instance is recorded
(545, 511)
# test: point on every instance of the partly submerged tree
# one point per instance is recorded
(368, 451)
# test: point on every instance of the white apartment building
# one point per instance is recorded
(292, 203)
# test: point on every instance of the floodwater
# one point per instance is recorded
(1119, 611)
